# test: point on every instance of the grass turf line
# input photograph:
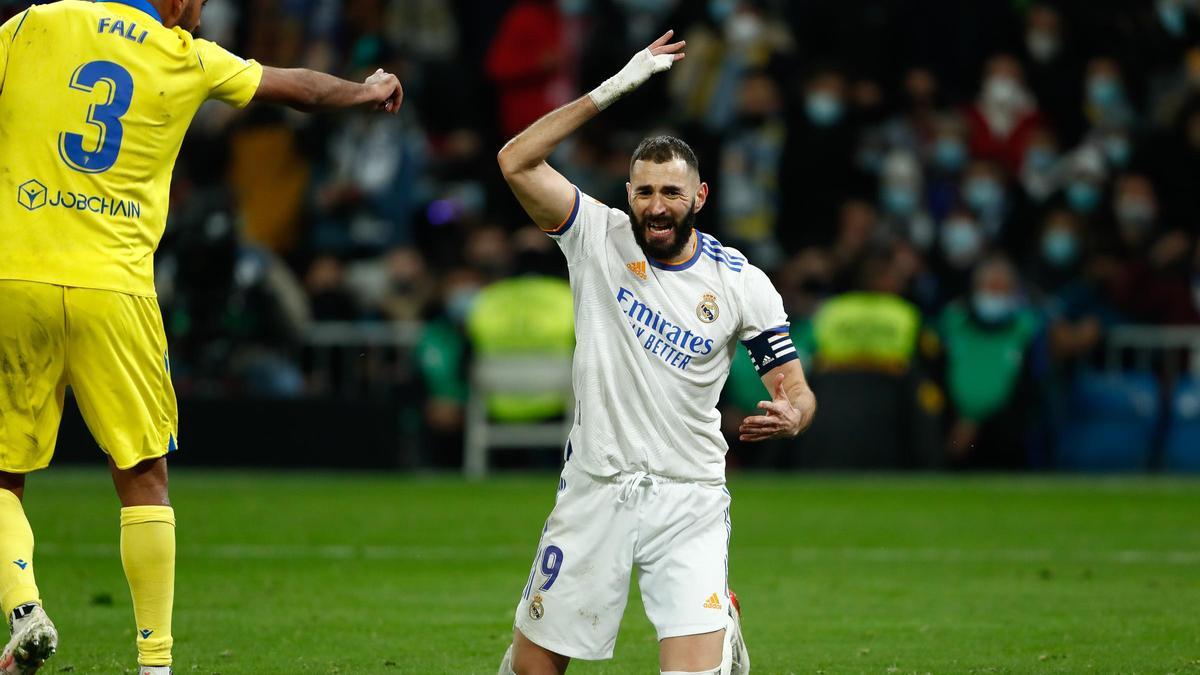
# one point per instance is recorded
(303, 573)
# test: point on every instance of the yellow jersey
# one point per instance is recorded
(95, 99)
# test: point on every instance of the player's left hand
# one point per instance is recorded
(386, 92)
(782, 419)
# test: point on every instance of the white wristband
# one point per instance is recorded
(638, 70)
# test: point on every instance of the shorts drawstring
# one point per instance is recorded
(633, 481)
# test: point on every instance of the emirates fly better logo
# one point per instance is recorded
(31, 194)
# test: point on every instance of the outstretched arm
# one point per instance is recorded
(790, 411)
(305, 89)
(544, 193)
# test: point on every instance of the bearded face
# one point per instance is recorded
(663, 236)
(664, 198)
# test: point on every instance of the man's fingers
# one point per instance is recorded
(780, 391)
(669, 49)
(679, 57)
(755, 438)
(662, 40)
(777, 407)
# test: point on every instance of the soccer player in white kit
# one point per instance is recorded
(659, 311)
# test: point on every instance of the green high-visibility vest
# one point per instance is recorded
(866, 329)
(522, 316)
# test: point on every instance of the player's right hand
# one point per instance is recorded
(659, 56)
(660, 47)
(386, 92)
(656, 58)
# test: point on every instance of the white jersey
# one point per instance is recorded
(654, 343)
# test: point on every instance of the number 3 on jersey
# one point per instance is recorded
(105, 116)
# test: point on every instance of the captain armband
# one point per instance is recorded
(770, 349)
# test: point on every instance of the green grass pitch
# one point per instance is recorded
(311, 573)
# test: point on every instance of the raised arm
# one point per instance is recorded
(544, 193)
(305, 89)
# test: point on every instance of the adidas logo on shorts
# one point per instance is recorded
(713, 602)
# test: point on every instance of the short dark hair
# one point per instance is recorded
(662, 149)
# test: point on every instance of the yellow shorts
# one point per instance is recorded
(110, 349)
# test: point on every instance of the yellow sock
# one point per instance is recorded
(17, 586)
(148, 556)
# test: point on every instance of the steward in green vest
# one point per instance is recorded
(995, 356)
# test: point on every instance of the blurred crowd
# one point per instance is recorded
(975, 191)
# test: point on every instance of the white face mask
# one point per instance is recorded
(1001, 90)
(743, 28)
(1043, 46)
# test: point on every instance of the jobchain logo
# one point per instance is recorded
(33, 195)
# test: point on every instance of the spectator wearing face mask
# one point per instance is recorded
(1147, 270)
(945, 157)
(1064, 289)
(1084, 182)
(1004, 116)
(818, 160)
(984, 190)
(961, 243)
(1042, 172)
(902, 200)
(1106, 99)
(995, 362)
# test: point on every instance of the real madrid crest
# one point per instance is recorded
(536, 611)
(708, 311)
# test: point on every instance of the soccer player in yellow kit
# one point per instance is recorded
(95, 99)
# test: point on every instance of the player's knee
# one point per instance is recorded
(144, 484)
(530, 659)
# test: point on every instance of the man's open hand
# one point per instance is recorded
(782, 419)
(656, 58)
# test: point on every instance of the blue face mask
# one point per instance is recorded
(961, 241)
(949, 154)
(1083, 197)
(983, 194)
(1040, 160)
(1172, 17)
(1118, 151)
(823, 109)
(993, 308)
(1104, 91)
(899, 200)
(720, 10)
(1060, 247)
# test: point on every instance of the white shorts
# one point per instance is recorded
(675, 534)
